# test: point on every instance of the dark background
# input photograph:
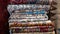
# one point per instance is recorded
(4, 17)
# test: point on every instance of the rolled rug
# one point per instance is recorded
(19, 24)
(18, 30)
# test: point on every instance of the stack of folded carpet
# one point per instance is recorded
(31, 17)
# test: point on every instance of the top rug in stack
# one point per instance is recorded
(41, 2)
